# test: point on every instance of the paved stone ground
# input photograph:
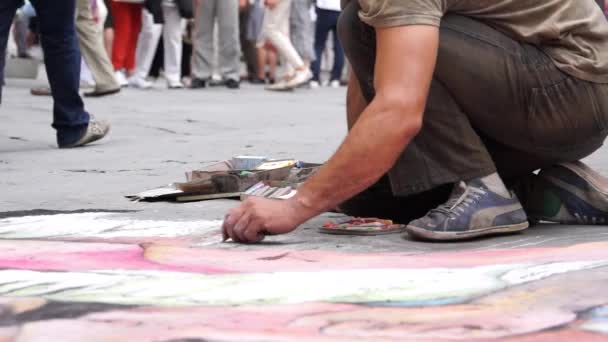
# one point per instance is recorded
(163, 249)
(157, 135)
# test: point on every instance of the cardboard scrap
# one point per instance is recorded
(226, 180)
(267, 190)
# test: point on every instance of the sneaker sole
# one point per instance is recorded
(597, 181)
(102, 93)
(592, 180)
(282, 90)
(361, 232)
(467, 235)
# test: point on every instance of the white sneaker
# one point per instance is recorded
(121, 78)
(314, 84)
(174, 84)
(335, 84)
(301, 77)
(140, 83)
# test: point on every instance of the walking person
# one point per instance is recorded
(90, 38)
(246, 9)
(226, 14)
(74, 126)
(127, 24)
(328, 12)
(276, 30)
(145, 50)
(21, 29)
(108, 28)
(172, 43)
(301, 30)
(254, 35)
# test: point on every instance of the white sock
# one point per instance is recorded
(495, 183)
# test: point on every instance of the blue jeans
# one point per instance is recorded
(327, 21)
(62, 60)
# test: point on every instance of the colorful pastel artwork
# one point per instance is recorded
(104, 277)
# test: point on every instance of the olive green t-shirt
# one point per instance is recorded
(574, 33)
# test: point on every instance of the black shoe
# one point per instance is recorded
(232, 84)
(257, 81)
(217, 83)
(100, 93)
(199, 83)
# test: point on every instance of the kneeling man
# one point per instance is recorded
(450, 101)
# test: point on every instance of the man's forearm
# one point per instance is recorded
(386, 126)
(369, 151)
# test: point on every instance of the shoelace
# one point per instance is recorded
(584, 219)
(456, 206)
(95, 127)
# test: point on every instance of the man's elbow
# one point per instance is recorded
(405, 115)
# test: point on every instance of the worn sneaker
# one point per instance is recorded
(570, 193)
(96, 130)
(473, 210)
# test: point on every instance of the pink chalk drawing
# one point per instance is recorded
(106, 283)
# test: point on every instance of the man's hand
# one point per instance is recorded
(257, 217)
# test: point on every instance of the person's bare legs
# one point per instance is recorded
(261, 62)
(108, 40)
(273, 61)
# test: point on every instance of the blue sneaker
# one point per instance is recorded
(570, 193)
(473, 210)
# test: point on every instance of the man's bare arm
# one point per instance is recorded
(403, 73)
(355, 102)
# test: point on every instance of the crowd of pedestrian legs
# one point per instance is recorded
(191, 43)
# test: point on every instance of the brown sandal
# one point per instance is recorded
(41, 91)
